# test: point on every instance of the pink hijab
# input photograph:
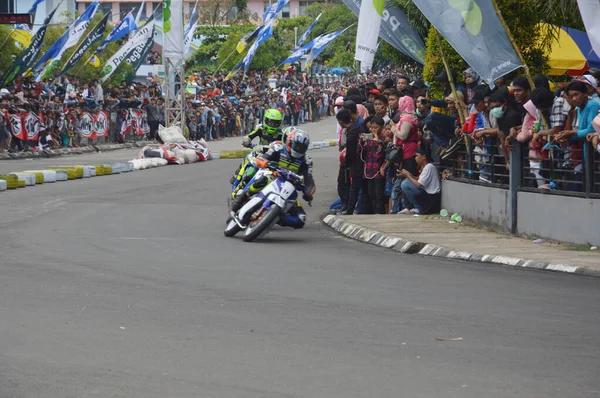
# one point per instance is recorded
(407, 111)
(362, 111)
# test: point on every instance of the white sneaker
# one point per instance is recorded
(406, 211)
(416, 211)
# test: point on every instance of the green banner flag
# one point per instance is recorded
(92, 38)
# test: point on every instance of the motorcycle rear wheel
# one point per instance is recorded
(258, 227)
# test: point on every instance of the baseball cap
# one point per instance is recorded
(374, 91)
(339, 101)
(418, 84)
(588, 79)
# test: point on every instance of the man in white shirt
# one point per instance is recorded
(98, 92)
(423, 193)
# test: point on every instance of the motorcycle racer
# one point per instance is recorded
(291, 156)
(268, 132)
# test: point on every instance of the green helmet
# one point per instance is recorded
(272, 121)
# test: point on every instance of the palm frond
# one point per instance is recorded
(559, 12)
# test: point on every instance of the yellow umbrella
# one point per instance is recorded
(571, 52)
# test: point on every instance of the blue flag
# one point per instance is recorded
(265, 33)
(192, 20)
(321, 42)
(299, 52)
(126, 26)
(76, 28)
(273, 10)
(305, 35)
(33, 8)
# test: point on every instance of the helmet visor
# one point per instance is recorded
(299, 147)
(273, 123)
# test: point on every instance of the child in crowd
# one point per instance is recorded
(373, 154)
(193, 125)
(389, 167)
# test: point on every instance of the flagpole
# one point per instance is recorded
(84, 39)
(461, 115)
(450, 78)
(225, 60)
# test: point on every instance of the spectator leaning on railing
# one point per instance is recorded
(480, 150)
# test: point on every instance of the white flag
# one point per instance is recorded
(138, 38)
(173, 29)
(189, 37)
(140, 13)
(369, 22)
(590, 13)
(69, 38)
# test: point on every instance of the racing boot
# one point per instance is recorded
(238, 201)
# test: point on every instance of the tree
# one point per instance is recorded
(217, 12)
(268, 55)
(559, 13)
(9, 50)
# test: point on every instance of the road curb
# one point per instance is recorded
(366, 235)
(53, 153)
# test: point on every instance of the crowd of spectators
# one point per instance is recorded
(220, 108)
(215, 107)
(397, 142)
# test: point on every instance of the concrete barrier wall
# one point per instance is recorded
(563, 218)
(480, 204)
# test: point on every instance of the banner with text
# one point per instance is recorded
(135, 121)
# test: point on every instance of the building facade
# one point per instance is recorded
(120, 8)
(44, 8)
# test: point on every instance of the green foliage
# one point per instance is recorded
(215, 12)
(434, 64)
(213, 37)
(388, 55)
(559, 13)
(220, 41)
(9, 50)
(522, 20)
(228, 57)
(241, 5)
(335, 17)
(269, 54)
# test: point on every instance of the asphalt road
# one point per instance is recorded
(124, 286)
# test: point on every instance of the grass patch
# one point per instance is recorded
(578, 248)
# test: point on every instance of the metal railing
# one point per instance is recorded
(572, 170)
(480, 162)
(568, 171)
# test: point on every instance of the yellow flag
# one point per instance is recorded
(241, 46)
(230, 75)
(21, 36)
(94, 61)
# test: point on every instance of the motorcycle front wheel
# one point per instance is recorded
(259, 226)
(232, 228)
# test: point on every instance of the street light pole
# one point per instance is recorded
(295, 36)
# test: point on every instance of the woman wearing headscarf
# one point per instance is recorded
(473, 82)
(406, 134)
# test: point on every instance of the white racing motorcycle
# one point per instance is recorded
(268, 206)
